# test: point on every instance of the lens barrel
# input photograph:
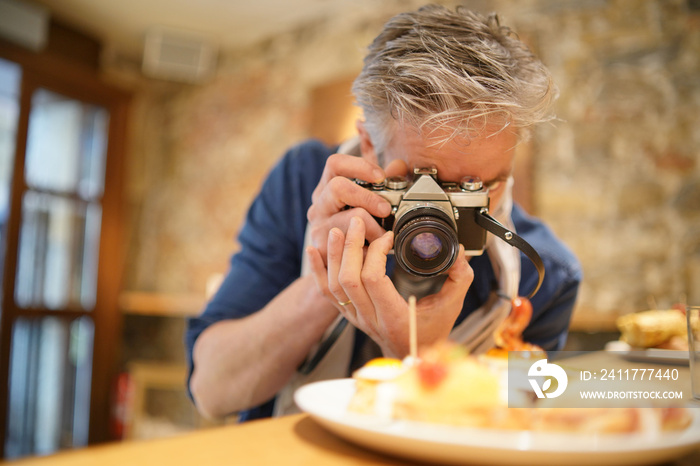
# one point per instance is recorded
(426, 242)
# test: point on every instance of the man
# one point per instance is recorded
(445, 89)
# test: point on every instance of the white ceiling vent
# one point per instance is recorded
(177, 55)
(24, 23)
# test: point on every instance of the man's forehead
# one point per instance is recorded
(484, 155)
(435, 140)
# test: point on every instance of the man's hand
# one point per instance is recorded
(355, 281)
(336, 191)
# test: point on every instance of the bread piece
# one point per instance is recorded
(648, 329)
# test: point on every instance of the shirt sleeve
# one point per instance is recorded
(271, 242)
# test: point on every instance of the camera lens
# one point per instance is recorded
(426, 243)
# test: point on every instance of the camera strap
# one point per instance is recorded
(490, 224)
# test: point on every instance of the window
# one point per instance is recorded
(61, 133)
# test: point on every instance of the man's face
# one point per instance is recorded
(490, 157)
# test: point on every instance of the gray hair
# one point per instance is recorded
(438, 69)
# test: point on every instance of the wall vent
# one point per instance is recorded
(24, 23)
(176, 55)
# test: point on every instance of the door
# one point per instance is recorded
(60, 323)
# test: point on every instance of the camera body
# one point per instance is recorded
(430, 219)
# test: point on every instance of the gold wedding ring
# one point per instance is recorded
(349, 301)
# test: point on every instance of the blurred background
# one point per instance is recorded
(134, 134)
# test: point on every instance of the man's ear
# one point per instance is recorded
(366, 146)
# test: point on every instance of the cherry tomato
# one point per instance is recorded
(431, 374)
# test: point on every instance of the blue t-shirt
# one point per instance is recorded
(272, 246)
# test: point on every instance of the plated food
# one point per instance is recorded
(448, 406)
(655, 328)
(447, 385)
(450, 387)
(327, 403)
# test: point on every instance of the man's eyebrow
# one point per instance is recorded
(500, 177)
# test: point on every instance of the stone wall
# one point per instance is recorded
(617, 177)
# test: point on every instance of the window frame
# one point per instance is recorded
(80, 82)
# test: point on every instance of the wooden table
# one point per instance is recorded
(291, 440)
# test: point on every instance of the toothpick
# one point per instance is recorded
(651, 302)
(412, 331)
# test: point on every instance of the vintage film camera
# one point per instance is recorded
(431, 219)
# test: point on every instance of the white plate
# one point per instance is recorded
(653, 355)
(659, 356)
(327, 403)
